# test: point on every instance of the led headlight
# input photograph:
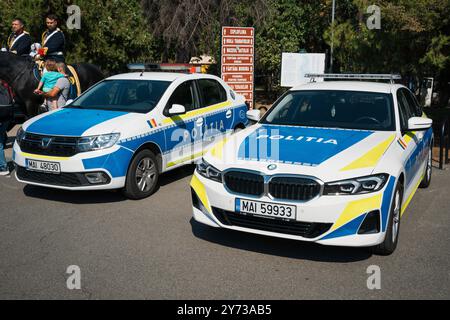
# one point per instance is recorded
(356, 186)
(208, 171)
(20, 135)
(93, 143)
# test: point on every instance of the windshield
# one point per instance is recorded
(123, 95)
(334, 109)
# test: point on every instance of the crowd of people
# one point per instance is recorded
(54, 85)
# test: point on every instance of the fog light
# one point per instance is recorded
(371, 223)
(96, 177)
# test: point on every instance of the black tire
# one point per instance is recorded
(388, 246)
(142, 176)
(428, 171)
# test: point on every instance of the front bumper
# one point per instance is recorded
(327, 220)
(113, 162)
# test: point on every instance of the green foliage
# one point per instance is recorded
(113, 32)
(413, 38)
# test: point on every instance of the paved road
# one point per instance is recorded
(152, 249)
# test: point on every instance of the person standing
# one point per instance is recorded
(53, 41)
(4, 170)
(19, 42)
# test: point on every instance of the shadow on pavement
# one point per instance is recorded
(74, 197)
(278, 247)
(101, 196)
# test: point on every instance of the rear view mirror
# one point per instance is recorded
(419, 124)
(254, 115)
(177, 109)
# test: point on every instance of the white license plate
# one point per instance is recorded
(270, 210)
(44, 166)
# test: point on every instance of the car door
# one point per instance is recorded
(219, 115)
(183, 132)
(411, 142)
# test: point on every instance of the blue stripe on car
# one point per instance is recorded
(71, 122)
(298, 145)
(346, 230)
(387, 200)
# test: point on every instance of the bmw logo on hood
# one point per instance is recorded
(272, 167)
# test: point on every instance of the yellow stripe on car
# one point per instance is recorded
(196, 113)
(355, 208)
(200, 190)
(182, 160)
(40, 157)
(371, 158)
(217, 149)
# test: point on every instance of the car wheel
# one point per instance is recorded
(142, 176)
(389, 244)
(428, 171)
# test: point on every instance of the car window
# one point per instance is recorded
(334, 109)
(413, 103)
(183, 95)
(139, 96)
(405, 111)
(212, 92)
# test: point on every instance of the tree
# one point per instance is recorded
(413, 40)
(113, 32)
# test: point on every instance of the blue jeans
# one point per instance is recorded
(3, 163)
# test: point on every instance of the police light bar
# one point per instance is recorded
(164, 67)
(354, 76)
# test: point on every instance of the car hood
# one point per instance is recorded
(75, 122)
(322, 152)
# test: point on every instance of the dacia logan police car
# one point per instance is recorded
(126, 130)
(333, 162)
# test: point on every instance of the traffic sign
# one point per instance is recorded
(238, 59)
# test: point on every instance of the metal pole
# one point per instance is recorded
(332, 35)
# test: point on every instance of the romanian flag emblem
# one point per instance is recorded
(152, 123)
(402, 144)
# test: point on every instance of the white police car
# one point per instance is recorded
(335, 163)
(126, 130)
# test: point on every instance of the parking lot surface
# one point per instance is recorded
(152, 249)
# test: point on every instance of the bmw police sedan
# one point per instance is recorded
(335, 163)
(126, 130)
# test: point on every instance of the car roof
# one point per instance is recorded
(160, 76)
(365, 86)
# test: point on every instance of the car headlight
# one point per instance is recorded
(20, 135)
(208, 171)
(93, 143)
(356, 186)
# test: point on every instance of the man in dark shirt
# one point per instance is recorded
(19, 42)
(53, 41)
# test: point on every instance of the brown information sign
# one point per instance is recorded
(238, 60)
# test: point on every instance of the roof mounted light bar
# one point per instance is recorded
(354, 76)
(161, 67)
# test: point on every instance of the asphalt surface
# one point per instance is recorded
(152, 249)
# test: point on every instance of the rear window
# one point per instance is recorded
(212, 92)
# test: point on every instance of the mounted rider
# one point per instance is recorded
(53, 41)
(19, 42)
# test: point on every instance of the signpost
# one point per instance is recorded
(238, 60)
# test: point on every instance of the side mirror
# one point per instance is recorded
(177, 109)
(68, 102)
(254, 115)
(419, 124)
